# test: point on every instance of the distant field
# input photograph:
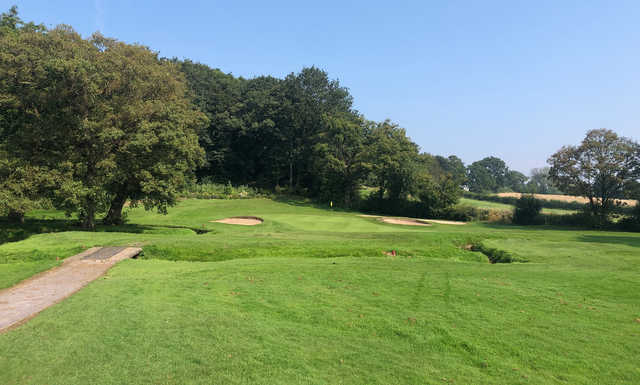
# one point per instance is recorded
(505, 207)
(564, 198)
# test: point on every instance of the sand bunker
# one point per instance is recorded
(444, 222)
(244, 221)
(412, 221)
(404, 221)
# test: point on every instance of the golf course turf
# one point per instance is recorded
(313, 296)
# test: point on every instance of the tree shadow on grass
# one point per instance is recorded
(14, 232)
(298, 201)
(611, 239)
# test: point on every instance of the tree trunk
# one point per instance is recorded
(89, 221)
(290, 176)
(114, 216)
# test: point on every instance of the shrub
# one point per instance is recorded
(527, 210)
(500, 216)
(632, 222)
(465, 213)
(209, 190)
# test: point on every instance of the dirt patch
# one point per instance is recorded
(244, 221)
(28, 298)
(405, 221)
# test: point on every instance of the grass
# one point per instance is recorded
(505, 207)
(309, 297)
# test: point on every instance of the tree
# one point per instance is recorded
(309, 96)
(527, 210)
(598, 169)
(108, 121)
(20, 187)
(515, 180)
(152, 127)
(439, 194)
(487, 175)
(340, 159)
(394, 158)
(540, 183)
(50, 86)
(11, 23)
(222, 98)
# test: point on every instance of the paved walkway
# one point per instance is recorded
(28, 298)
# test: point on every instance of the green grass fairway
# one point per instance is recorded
(505, 207)
(309, 297)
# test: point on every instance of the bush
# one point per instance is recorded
(632, 222)
(209, 190)
(466, 213)
(527, 210)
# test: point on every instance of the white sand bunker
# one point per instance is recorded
(412, 221)
(404, 221)
(444, 222)
(244, 221)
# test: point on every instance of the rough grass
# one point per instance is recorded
(309, 297)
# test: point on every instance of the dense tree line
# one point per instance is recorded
(89, 124)
(302, 134)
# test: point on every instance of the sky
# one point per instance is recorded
(512, 79)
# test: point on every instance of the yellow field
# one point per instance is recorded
(564, 198)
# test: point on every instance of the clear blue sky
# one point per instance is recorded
(515, 79)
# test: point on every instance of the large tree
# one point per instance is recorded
(309, 96)
(598, 169)
(340, 159)
(487, 175)
(394, 160)
(108, 120)
(151, 125)
(50, 90)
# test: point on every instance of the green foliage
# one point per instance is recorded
(632, 222)
(491, 174)
(527, 210)
(540, 183)
(340, 160)
(152, 123)
(393, 157)
(100, 121)
(438, 195)
(466, 213)
(210, 190)
(515, 181)
(495, 255)
(487, 175)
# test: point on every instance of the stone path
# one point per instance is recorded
(28, 298)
